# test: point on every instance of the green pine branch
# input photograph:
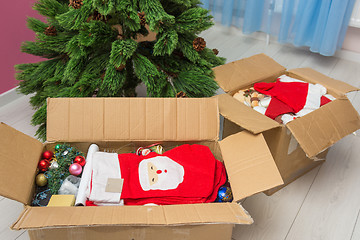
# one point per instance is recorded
(96, 49)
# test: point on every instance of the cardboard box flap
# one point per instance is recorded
(313, 76)
(249, 164)
(19, 156)
(94, 119)
(246, 72)
(244, 116)
(320, 129)
(50, 217)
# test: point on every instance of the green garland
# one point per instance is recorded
(65, 154)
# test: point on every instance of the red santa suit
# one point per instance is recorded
(292, 98)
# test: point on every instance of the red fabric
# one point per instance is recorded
(203, 176)
(324, 100)
(276, 108)
(89, 203)
(293, 94)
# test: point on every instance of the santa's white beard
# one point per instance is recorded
(167, 180)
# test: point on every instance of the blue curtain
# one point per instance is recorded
(318, 24)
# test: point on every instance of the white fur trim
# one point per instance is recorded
(330, 97)
(286, 118)
(260, 109)
(313, 98)
(285, 78)
(265, 102)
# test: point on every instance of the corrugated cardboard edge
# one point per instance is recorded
(20, 219)
(18, 149)
(244, 116)
(249, 163)
(116, 119)
(168, 215)
(313, 76)
(247, 71)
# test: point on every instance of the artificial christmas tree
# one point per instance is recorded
(97, 48)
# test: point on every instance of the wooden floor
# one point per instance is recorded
(322, 205)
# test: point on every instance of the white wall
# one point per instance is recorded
(352, 40)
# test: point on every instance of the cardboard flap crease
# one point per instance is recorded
(249, 164)
(50, 217)
(247, 71)
(322, 128)
(19, 156)
(112, 119)
(244, 116)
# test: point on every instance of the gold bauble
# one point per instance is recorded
(41, 180)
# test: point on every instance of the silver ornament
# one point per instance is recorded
(54, 165)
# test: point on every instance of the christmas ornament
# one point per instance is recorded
(57, 147)
(75, 169)
(41, 180)
(158, 149)
(65, 155)
(50, 31)
(80, 160)
(76, 4)
(224, 194)
(199, 44)
(215, 51)
(54, 165)
(43, 165)
(142, 18)
(143, 151)
(47, 155)
(181, 94)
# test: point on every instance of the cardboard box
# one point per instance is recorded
(302, 144)
(122, 124)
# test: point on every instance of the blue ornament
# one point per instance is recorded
(224, 194)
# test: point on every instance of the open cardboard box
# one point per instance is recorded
(302, 144)
(114, 123)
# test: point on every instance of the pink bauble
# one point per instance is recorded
(75, 169)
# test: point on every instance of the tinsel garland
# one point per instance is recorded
(64, 154)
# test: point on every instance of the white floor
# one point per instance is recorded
(324, 204)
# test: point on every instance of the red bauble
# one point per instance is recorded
(44, 165)
(47, 155)
(80, 160)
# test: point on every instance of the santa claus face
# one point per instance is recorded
(160, 173)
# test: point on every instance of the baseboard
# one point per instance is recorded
(9, 96)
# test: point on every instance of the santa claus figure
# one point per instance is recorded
(185, 174)
(160, 173)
